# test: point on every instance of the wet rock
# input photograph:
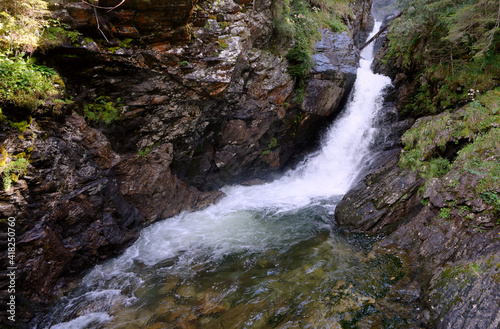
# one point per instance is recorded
(79, 208)
(381, 200)
(212, 303)
(451, 261)
(166, 306)
(335, 54)
(457, 293)
(169, 286)
(148, 184)
(186, 291)
(129, 318)
(323, 97)
(334, 71)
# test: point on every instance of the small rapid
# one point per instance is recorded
(264, 256)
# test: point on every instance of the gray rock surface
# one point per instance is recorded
(455, 262)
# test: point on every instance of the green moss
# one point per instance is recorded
(126, 43)
(445, 213)
(424, 142)
(482, 158)
(114, 49)
(145, 151)
(223, 44)
(273, 143)
(58, 33)
(463, 142)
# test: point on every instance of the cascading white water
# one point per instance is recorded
(250, 220)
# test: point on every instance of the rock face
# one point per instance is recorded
(454, 261)
(334, 71)
(80, 205)
(196, 100)
(227, 101)
(382, 200)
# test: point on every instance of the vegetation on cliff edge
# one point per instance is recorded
(301, 21)
(449, 48)
(24, 84)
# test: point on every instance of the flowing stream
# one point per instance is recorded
(266, 256)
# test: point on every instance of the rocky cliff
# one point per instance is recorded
(435, 198)
(166, 101)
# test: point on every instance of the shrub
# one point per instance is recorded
(25, 84)
(300, 62)
(451, 47)
(104, 109)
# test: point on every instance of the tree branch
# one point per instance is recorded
(382, 29)
(98, 25)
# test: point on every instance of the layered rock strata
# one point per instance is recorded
(199, 100)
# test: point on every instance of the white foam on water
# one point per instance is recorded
(84, 321)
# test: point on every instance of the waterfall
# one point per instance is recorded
(258, 231)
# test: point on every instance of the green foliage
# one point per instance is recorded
(183, 64)
(125, 43)
(450, 46)
(438, 167)
(492, 198)
(25, 84)
(145, 151)
(222, 43)
(104, 109)
(300, 62)
(445, 213)
(273, 143)
(424, 142)
(24, 28)
(482, 158)
(11, 171)
(473, 134)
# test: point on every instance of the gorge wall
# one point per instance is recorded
(165, 102)
(435, 198)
